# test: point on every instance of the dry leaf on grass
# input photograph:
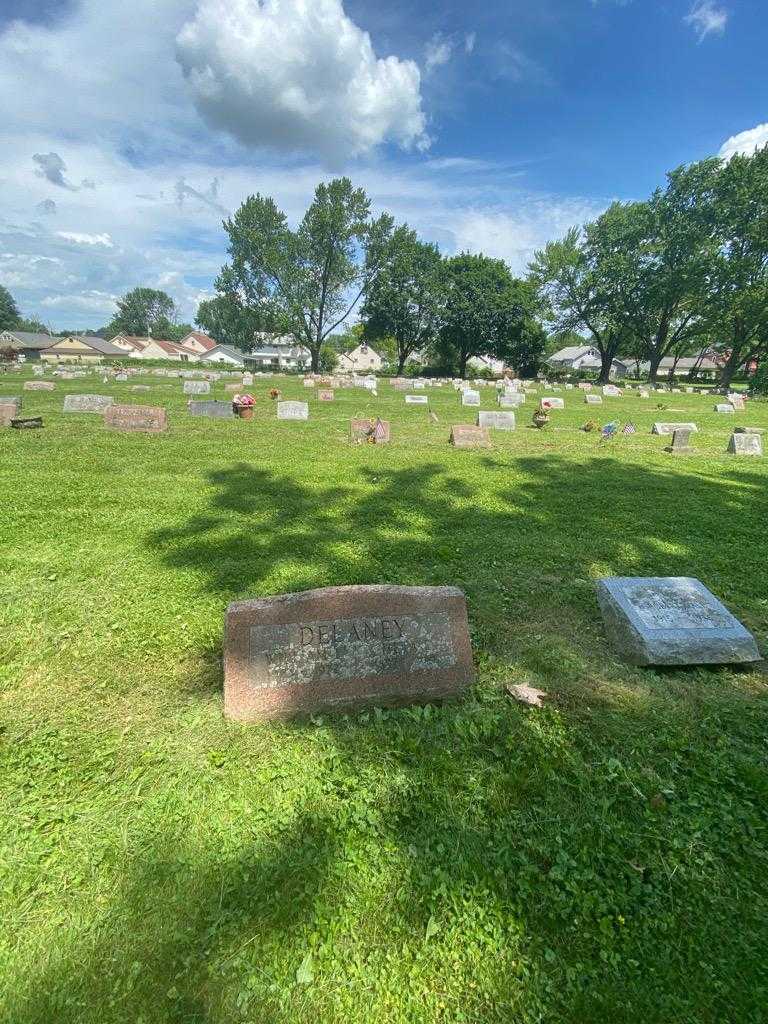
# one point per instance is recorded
(526, 694)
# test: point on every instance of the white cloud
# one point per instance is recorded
(437, 52)
(707, 18)
(745, 142)
(298, 76)
(85, 302)
(82, 238)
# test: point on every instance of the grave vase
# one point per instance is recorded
(245, 412)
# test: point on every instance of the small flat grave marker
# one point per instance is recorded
(292, 410)
(39, 385)
(725, 407)
(552, 402)
(121, 378)
(465, 435)
(325, 395)
(87, 403)
(671, 620)
(496, 420)
(342, 648)
(670, 428)
(417, 400)
(745, 444)
(141, 419)
(593, 399)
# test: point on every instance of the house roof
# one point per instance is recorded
(688, 363)
(105, 348)
(208, 343)
(136, 343)
(31, 339)
(286, 349)
(171, 347)
(228, 350)
(569, 352)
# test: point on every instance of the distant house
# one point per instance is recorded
(486, 363)
(362, 358)
(28, 344)
(153, 348)
(76, 349)
(702, 366)
(199, 343)
(277, 352)
(225, 354)
(586, 358)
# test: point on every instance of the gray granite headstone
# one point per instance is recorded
(470, 397)
(670, 428)
(671, 620)
(87, 403)
(496, 420)
(292, 410)
(511, 399)
(745, 444)
(213, 410)
(681, 441)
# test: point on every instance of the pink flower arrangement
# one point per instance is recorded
(245, 400)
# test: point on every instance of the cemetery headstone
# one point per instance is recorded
(671, 620)
(593, 399)
(745, 444)
(39, 385)
(681, 442)
(470, 397)
(140, 387)
(325, 395)
(465, 435)
(611, 391)
(9, 410)
(725, 407)
(552, 402)
(247, 380)
(496, 420)
(121, 378)
(87, 403)
(292, 410)
(416, 400)
(213, 410)
(372, 431)
(343, 648)
(196, 387)
(749, 430)
(143, 419)
(670, 428)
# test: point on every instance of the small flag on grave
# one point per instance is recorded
(379, 432)
(629, 428)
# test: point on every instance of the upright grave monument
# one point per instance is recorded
(136, 419)
(87, 403)
(343, 648)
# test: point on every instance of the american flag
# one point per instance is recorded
(629, 428)
(379, 432)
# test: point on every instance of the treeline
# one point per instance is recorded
(684, 270)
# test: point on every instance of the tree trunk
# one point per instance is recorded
(606, 360)
(400, 364)
(315, 360)
(654, 367)
(730, 368)
(463, 359)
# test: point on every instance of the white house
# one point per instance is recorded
(153, 348)
(278, 352)
(225, 354)
(360, 359)
(200, 343)
(586, 357)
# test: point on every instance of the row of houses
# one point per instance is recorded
(587, 358)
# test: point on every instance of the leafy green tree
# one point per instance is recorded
(738, 312)
(488, 312)
(309, 279)
(229, 320)
(406, 298)
(578, 297)
(652, 260)
(329, 358)
(9, 311)
(32, 324)
(144, 311)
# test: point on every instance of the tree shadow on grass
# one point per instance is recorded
(526, 841)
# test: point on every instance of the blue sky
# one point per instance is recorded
(128, 134)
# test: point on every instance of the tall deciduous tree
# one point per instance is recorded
(578, 299)
(309, 279)
(652, 262)
(228, 320)
(144, 311)
(488, 312)
(739, 311)
(406, 298)
(9, 311)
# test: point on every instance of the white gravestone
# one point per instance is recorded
(470, 397)
(550, 402)
(293, 410)
(593, 399)
(87, 403)
(745, 444)
(496, 420)
(725, 407)
(511, 400)
(196, 387)
(670, 428)
(416, 400)
(671, 620)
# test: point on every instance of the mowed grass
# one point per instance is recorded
(603, 859)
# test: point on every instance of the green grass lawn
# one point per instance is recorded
(604, 859)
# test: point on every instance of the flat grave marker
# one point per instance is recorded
(670, 428)
(213, 409)
(726, 408)
(87, 403)
(39, 385)
(326, 395)
(196, 387)
(467, 435)
(342, 648)
(416, 400)
(593, 399)
(671, 620)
